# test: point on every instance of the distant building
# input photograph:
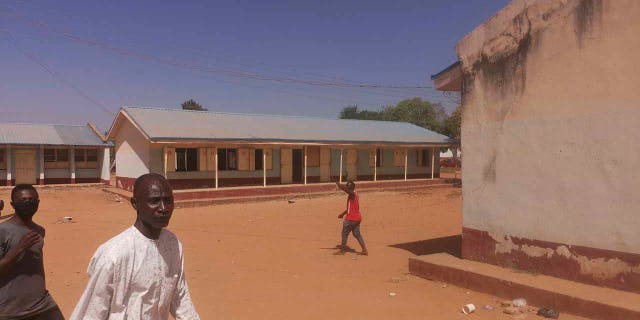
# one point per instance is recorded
(52, 154)
(550, 93)
(199, 149)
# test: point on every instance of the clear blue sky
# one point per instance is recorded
(375, 41)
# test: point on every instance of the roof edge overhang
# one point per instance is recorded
(449, 79)
(297, 142)
(122, 115)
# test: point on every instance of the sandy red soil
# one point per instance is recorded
(271, 260)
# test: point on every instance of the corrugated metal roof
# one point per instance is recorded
(177, 124)
(46, 134)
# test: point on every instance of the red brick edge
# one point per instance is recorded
(507, 289)
(480, 246)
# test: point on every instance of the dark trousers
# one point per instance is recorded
(349, 226)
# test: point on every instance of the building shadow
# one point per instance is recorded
(451, 245)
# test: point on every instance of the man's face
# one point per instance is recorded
(155, 204)
(25, 203)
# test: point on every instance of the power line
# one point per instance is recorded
(195, 67)
(53, 73)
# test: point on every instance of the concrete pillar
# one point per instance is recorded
(216, 169)
(164, 161)
(433, 161)
(41, 166)
(305, 165)
(72, 164)
(375, 164)
(406, 154)
(341, 165)
(105, 167)
(8, 161)
(264, 168)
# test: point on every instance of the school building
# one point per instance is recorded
(199, 149)
(550, 92)
(52, 154)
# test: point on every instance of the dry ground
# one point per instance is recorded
(270, 260)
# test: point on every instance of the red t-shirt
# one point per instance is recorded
(353, 208)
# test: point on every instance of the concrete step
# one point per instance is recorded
(541, 291)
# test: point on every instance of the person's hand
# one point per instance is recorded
(340, 216)
(28, 240)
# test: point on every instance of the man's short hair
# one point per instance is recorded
(352, 183)
(21, 187)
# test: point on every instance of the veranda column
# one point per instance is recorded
(72, 164)
(164, 157)
(340, 165)
(264, 168)
(375, 164)
(433, 160)
(305, 165)
(216, 171)
(9, 166)
(41, 165)
(405, 164)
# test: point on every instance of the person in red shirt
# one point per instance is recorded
(352, 217)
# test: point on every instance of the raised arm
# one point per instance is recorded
(344, 188)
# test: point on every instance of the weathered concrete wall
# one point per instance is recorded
(550, 132)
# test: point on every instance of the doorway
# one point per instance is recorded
(25, 166)
(298, 160)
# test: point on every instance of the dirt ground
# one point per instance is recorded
(272, 260)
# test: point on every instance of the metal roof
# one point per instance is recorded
(47, 134)
(181, 125)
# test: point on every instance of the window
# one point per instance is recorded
(186, 159)
(2, 162)
(227, 159)
(56, 155)
(379, 154)
(258, 157)
(92, 155)
(85, 158)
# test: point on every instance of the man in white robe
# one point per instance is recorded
(139, 274)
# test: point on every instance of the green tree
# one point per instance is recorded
(192, 105)
(352, 112)
(453, 124)
(420, 112)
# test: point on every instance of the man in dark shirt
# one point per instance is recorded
(23, 294)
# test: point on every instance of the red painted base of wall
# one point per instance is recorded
(577, 263)
(11, 182)
(48, 181)
(383, 177)
(107, 182)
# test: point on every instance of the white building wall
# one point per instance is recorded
(132, 152)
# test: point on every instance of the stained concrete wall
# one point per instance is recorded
(550, 130)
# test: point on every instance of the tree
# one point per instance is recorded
(192, 105)
(352, 112)
(452, 125)
(420, 112)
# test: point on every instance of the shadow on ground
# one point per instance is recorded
(451, 245)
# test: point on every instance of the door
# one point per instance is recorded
(298, 161)
(352, 164)
(25, 166)
(285, 165)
